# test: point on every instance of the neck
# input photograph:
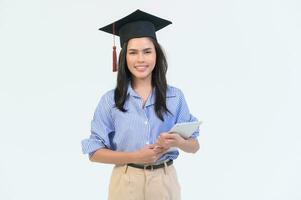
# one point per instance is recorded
(138, 84)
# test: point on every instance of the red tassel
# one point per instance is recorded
(114, 59)
(114, 51)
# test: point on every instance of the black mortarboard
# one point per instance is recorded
(135, 25)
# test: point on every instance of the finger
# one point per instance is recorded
(151, 146)
(169, 140)
(160, 151)
(160, 141)
(160, 138)
(157, 148)
(170, 136)
(164, 134)
(163, 139)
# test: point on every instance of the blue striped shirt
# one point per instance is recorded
(132, 130)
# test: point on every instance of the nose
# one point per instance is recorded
(140, 57)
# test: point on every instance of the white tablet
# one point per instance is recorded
(185, 129)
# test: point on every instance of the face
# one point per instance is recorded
(141, 58)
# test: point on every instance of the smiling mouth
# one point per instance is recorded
(141, 67)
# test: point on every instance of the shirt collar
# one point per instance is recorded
(131, 91)
(152, 98)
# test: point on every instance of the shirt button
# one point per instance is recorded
(145, 122)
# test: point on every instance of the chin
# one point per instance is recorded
(141, 75)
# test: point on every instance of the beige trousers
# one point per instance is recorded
(129, 183)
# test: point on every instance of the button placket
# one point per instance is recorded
(148, 126)
(146, 122)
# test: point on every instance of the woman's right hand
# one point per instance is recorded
(149, 154)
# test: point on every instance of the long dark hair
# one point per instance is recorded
(158, 80)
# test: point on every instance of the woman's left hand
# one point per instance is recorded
(167, 140)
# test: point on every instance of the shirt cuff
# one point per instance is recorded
(91, 145)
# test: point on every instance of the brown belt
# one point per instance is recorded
(150, 167)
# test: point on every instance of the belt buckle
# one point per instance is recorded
(151, 167)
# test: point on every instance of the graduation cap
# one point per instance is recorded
(135, 25)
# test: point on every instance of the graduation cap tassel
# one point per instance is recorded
(114, 51)
(114, 59)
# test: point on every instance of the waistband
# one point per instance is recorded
(151, 167)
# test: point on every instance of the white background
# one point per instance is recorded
(237, 62)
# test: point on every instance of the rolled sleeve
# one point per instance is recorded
(91, 145)
(184, 114)
(101, 128)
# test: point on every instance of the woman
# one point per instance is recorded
(130, 124)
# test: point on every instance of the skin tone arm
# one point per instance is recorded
(167, 140)
(148, 154)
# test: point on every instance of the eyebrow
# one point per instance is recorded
(146, 49)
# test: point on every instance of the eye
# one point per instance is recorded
(132, 53)
(148, 52)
